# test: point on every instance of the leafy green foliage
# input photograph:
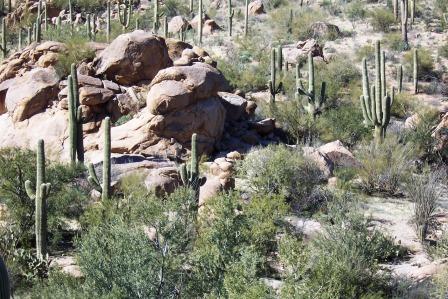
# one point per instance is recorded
(382, 19)
(425, 63)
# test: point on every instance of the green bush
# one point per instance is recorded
(367, 51)
(440, 282)
(343, 123)
(425, 63)
(279, 170)
(84, 5)
(382, 19)
(443, 51)
(342, 262)
(394, 42)
(404, 105)
(355, 11)
(384, 166)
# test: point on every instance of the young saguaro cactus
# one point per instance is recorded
(273, 87)
(246, 18)
(230, 14)
(40, 195)
(93, 178)
(400, 78)
(157, 16)
(108, 30)
(375, 108)
(415, 70)
(404, 23)
(200, 22)
(75, 118)
(314, 104)
(4, 281)
(189, 174)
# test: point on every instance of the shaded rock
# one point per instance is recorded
(163, 181)
(91, 96)
(339, 154)
(235, 105)
(176, 48)
(264, 127)
(195, 21)
(299, 51)
(210, 27)
(31, 93)
(133, 57)
(178, 24)
(256, 8)
(323, 29)
(322, 161)
(211, 188)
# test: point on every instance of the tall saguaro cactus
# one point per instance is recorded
(400, 78)
(314, 104)
(40, 195)
(404, 23)
(395, 4)
(75, 118)
(200, 23)
(190, 173)
(108, 30)
(230, 14)
(375, 107)
(157, 16)
(246, 18)
(4, 281)
(415, 70)
(93, 178)
(273, 87)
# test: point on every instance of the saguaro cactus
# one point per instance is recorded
(108, 22)
(75, 118)
(273, 87)
(165, 27)
(3, 46)
(157, 16)
(246, 18)
(412, 11)
(124, 14)
(93, 178)
(404, 23)
(314, 104)
(40, 195)
(395, 4)
(375, 109)
(230, 15)
(4, 281)
(200, 22)
(190, 173)
(415, 71)
(400, 78)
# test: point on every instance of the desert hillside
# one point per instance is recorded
(224, 149)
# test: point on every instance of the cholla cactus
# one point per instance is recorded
(314, 104)
(40, 195)
(375, 102)
(93, 178)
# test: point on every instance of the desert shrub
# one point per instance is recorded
(355, 11)
(440, 250)
(420, 139)
(85, 5)
(247, 65)
(173, 8)
(425, 64)
(394, 42)
(384, 166)
(404, 105)
(443, 51)
(345, 175)
(342, 123)
(382, 19)
(342, 262)
(279, 170)
(232, 247)
(367, 51)
(440, 282)
(424, 191)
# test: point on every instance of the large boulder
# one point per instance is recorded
(299, 51)
(177, 87)
(31, 93)
(133, 57)
(256, 8)
(234, 104)
(339, 154)
(325, 30)
(178, 24)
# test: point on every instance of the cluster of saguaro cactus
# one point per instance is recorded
(189, 173)
(375, 102)
(200, 22)
(105, 187)
(40, 195)
(38, 24)
(75, 118)
(314, 103)
(415, 70)
(230, 14)
(4, 281)
(275, 64)
(125, 14)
